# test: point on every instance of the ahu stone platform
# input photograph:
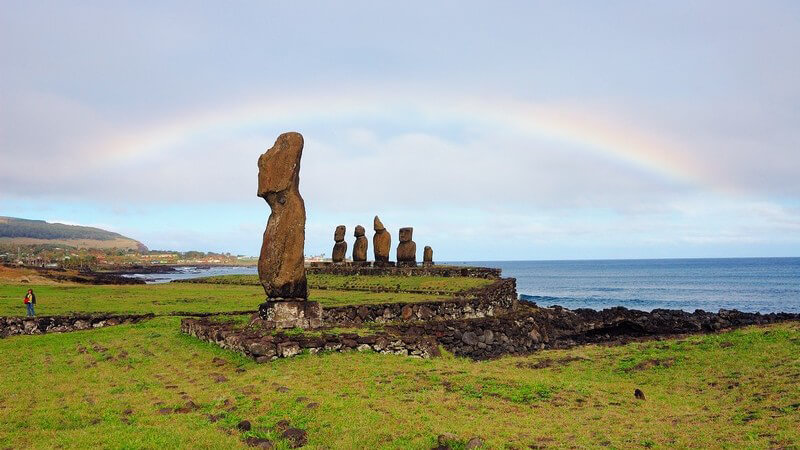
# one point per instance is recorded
(524, 331)
(483, 323)
(349, 268)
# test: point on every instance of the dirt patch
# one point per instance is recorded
(219, 378)
(651, 363)
(548, 362)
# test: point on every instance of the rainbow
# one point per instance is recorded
(613, 140)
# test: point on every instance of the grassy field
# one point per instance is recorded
(120, 387)
(398, 283)
(171, 297)
(148, 386)
(220, 294)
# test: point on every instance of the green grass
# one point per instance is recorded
(172, 297)
(105, 387)
(397, 283)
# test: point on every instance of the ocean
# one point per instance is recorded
(747, 284)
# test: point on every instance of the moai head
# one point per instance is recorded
(406, 234)
(359, 231)
(279, 167)
(377, 225)
(338, 235)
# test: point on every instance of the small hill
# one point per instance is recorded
(16, 231)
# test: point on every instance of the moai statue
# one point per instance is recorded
(360, 246)
(407, 249)
(281, 267)
(427, 256)
(381, 243)
(340, 247)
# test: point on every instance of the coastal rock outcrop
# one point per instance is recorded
(407, 249)
(281, 266)
(340, 246)
(360, 246)
(427, 256)
(381, 242)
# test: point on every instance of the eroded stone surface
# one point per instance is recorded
(289, 313)
(281, 264)
(340, 246)
(360, 246)
(381, 241)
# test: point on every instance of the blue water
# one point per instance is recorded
(746, 284)
(183, 273)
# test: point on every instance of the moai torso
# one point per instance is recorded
(281, 264)
(340, 247)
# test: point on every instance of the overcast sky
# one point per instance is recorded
(498, 130)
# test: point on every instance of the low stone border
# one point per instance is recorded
(419, 271)
(263, 346)
(10, 326)
(531, 328)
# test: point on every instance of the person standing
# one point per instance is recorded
(30, 300)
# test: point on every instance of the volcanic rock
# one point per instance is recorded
(296, 437)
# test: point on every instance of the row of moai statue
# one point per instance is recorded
(381, 242)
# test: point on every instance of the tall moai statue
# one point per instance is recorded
(340, 246)
(281, 267)
(406, 249)
(281, 264)
(427, 256)
(381, 242)
(360, 246)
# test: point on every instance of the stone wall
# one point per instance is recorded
(524, 331)
(10, 326)
(432, 271)
(498, 298)
(264, 346)
(530, 329)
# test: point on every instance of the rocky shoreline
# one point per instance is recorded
(76, 276)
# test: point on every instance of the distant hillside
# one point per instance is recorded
(33, 232)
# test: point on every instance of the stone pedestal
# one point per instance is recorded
(290, 313)
(406, 264)
(383, 264)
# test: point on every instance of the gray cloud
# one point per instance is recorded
(715, 81)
